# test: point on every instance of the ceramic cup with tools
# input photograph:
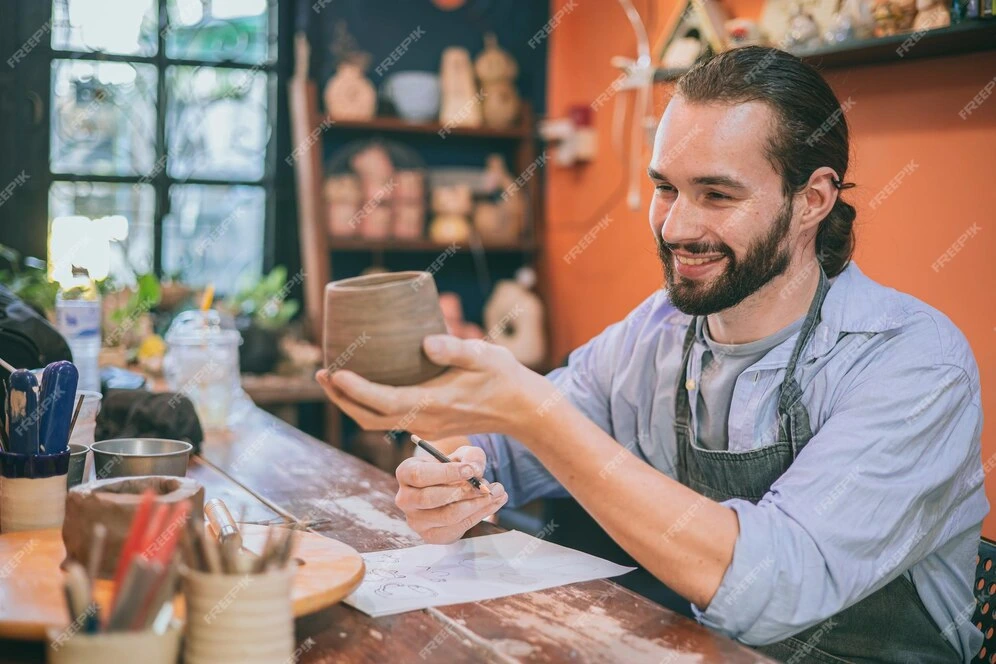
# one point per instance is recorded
(66, 646)
(375, 324)
(239, 618)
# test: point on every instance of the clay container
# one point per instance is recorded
(239, 618)
(375, 324)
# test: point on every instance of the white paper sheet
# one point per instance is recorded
(471, 570)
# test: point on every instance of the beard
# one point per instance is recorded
(764, 260)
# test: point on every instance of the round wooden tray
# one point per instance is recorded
(32, 599)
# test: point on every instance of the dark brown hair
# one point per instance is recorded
(810, 129)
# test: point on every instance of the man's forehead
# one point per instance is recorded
(712, 135)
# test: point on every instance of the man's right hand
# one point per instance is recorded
(441, 505)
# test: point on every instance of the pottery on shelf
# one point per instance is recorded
(375, 324)
(893, 16)
(513, 317)
(342, 201)
(497, 70)
(349, 95)
(500, 218)
(414, 94)
(451, 206)
(460, 104)
(930, 15)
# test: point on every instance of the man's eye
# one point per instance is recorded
(716, 196)
(664, 187)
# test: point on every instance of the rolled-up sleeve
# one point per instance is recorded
(586, 382)
(892, 475)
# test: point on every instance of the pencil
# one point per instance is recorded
(442, 458)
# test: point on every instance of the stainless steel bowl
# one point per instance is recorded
(132, 457)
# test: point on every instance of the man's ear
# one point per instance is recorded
(819, 194)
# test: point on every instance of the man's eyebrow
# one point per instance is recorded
(714, 180)
(719, 181)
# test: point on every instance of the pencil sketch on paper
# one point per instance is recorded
(469, 570)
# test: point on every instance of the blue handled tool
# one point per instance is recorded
(55, 406)
(22, 412)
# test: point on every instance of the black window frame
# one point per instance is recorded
(161, 181)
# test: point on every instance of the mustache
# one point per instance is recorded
(665, 249)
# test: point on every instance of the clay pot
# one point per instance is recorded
(239, 618)
(32, 504)
(375, 324)
(68, 647)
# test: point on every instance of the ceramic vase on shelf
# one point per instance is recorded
(460, 104)
(342, 203)
(409, 205)
(513, 317)
(499, 219)
(497, 70)
(451, 206)
(349, 95)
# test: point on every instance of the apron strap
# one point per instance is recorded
(793, 418)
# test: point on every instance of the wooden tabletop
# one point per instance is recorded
(271, 470)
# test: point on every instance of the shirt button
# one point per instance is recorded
(690, 384)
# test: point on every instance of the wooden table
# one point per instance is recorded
(272, 470)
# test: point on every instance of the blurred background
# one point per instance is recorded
(243, 153)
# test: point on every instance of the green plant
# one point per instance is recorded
(146, 296)
(30, 283)
(266, 301)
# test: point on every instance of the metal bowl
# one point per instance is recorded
(132, 457)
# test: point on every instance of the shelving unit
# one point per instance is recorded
(971, 36)
(319, 250)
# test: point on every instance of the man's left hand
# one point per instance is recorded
(485, 390)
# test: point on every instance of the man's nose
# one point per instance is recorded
(683, 223)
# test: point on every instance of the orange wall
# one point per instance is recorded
(900, 112)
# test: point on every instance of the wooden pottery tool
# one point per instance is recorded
(375, 324)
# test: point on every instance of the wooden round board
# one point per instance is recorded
(32, 599)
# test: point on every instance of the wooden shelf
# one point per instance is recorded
(397, 125)
(970, 36)
(360, 244)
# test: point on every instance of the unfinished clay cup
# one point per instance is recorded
(375, 324)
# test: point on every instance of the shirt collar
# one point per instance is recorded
(854, 304)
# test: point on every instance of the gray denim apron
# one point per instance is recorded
(891, 624)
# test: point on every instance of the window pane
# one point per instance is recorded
(125, 27)
(106, 228)
(219, 30)
(214, 234)
(216, 122)
(103, 118)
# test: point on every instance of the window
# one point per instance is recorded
(162, 137)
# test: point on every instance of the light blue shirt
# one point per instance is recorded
(890, 483)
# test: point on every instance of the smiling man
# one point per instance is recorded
(789, 445)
